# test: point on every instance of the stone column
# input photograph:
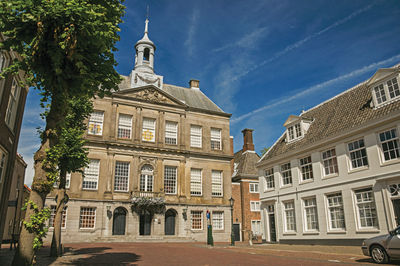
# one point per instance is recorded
(161, 128)
(138, 120)
(113, 122)
(182, 139)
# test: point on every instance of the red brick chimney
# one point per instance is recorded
(248, 139)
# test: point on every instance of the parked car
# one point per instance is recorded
(383, 248)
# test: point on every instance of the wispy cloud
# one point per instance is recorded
(318, 87)
(189, 43)
(298, 44)
(249, 40)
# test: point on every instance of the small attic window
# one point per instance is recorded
(146, 54)
(294, 132)
(297, 127)
(386, 91)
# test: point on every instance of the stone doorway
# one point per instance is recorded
(119, 221)
(170, 216)
(145, 224)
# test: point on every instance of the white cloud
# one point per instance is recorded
(312, 90)
(189, 43)
(247, 41)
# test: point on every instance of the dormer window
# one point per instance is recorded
(296, 127)
(385, 86)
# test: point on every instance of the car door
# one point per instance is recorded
(393, 246)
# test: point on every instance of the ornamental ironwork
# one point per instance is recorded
(394, 190)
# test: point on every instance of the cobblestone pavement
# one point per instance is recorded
(197, 254)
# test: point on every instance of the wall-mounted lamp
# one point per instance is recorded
(109, 212)
(184, 213)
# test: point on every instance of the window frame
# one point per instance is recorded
(255, 206)
(221, 220)
(285, 216)
(258, 224)
(254, 185)
(357, 151)
(120, 176)
(97, 177)
(94, 220)
(357, 208)
(194, 135)
(10, 116)
(171, 134)
(334, 158)
(4, 64)
(149, 129)
(305, 214)
(215, 183)
(53, 216)
(193, 192)
(384, 90)
(216, 140)
(395, 140)
(93, 121)
(267, 182)
(328, 212)
(200, 212)
(283, 172)
(175, 180)
(306, 168)
(123, 126)
(3, 163)
(295, 131)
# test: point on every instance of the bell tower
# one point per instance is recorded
(143, 72)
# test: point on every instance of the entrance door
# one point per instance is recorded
(236, 232)
(145, 224)
(170, 222)
(272, 230)
(119, 221)
(396, 208)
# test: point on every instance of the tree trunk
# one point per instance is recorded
(56, 248)
(25, 254)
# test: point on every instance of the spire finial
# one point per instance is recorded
(147, 21)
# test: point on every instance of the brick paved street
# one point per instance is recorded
(197, 254)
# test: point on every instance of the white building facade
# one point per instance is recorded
(333, 177)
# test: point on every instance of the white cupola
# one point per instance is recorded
(143, 72)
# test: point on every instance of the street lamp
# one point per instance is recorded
(232, 201)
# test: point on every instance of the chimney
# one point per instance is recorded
(194, 84)
(248, 139)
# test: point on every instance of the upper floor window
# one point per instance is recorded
(146, 178)
(11, 112)
(3, 65)
(195, 136)
(386, 91)
(358, 154)
(124, 126)
(216, 183)
(286, 173)
(195, 182)
(96, 123)
(253, 187)
(91, 177)
(306, 168)
(121, 181)
(390, 144)
(330, 162)
(294, 132)
(149, 129)
(3, 161)
(170, 177)
(254, 206)
(269, 179)
(171, 133)
(215, 139)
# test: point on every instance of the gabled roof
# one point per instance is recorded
(381, 74)
(192, 98)
(342, 113)
(246, 164)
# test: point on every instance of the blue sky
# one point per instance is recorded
(259, 60)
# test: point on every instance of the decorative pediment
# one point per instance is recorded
(381, 74)
(150, 94)
(291, 119)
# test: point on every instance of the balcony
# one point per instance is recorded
(147, 194)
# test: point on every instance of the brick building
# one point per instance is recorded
(246, 210)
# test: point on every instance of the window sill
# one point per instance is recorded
(269, 189)
(367, 231)
(87, 229)
(95, 135)
(337, 232)
(148, 141)
(218, 231)
(121, 191)
(196, 195)
(393, 161)
(359, 169)
(311, 233)
(287, 186)
(89, 189)
(330, 176)
(289, 234)
(306, 181)
(129, 139)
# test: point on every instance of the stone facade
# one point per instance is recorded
(12, 104)
(145, 146)
(333, 177)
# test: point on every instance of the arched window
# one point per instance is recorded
(146, 54)
(146, 178)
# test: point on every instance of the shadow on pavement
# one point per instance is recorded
(113, 258)
(85, 250)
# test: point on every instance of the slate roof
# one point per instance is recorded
(191, 97)
(343, 112)
(246, 164)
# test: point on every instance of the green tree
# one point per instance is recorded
(66, 49)
(264, 150)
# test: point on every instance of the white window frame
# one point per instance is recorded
(200, 212)
(218, 220)
(394, 140)
(12, 106)
(256, 227)
(285, 171)
(356, 157)
(53, 216)
(294, 132)
(170, 179)
(80, 218)
(254, 188)
(149, 129)
(124, 126)
(216, 139)
(269, 179)
(196, 182)
(307, 215)
(381, 93)
(365, 200)
(95, 125)
(91, 175)
(217, 183)
(4, 60)
(255, 206)
(146, 182)
(3, 163)
(171, 133)
(120, 176)
(329, 208)
(196, 136)
(331, 161)
(306, 169)
(286, 210)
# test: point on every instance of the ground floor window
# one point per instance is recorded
(366, 208)
(310, 213)
(197, 220)
(53, 216)
(290, 218)
(87, 217)
(336, 211)
(256, 228)
(218, 220)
